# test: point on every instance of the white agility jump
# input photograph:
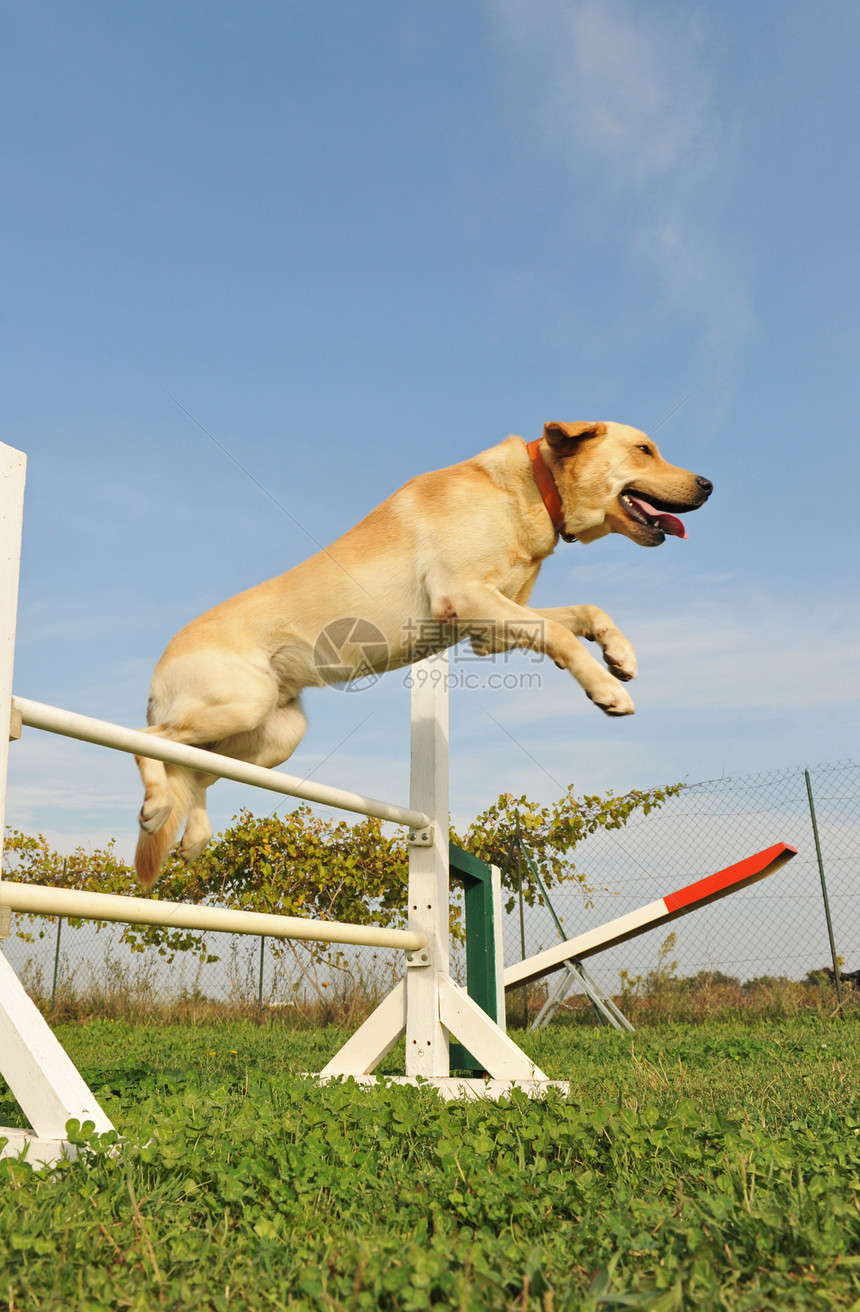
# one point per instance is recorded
(426, 1007)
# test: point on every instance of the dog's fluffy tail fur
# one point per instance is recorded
(152, 849)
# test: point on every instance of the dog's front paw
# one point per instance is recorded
(623, 669)
(619, 655)
(611, 699)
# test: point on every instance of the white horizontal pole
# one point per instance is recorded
(42, 899)
(54, 720)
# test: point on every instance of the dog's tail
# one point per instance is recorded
(152, 848)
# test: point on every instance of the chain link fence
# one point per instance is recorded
(777, 928)
(80, 967)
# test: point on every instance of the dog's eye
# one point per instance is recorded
(646, 449)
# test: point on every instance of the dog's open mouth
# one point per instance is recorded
(653, 514)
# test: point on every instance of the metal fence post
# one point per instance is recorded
(56, 962)
(260, 988)
(525, 989)
(836, 974)
(57, 948)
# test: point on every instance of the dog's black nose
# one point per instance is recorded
(705, 484)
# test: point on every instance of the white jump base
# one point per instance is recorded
(426, 1007)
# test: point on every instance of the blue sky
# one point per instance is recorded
(353, 243)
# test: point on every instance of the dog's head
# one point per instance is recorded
(612, 479)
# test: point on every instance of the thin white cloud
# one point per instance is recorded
(755, 653)
(628, 85)
(626, 97)
(737, 650)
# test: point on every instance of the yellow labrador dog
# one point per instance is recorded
(454, 554)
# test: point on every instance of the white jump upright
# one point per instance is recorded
(40, 1074)
(426, 1007)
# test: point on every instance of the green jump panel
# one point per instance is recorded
(476, 878)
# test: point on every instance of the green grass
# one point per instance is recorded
(692, 1167)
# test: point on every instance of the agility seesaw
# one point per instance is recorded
(692, 897)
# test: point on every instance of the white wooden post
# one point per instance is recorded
(426, 1037)
(40, 1074)
(13, 468)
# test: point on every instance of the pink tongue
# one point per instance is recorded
(670, 524)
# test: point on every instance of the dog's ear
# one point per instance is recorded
(565, 438)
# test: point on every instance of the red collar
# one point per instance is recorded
(548, 490)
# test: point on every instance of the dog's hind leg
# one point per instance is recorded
(154, 844)
(272, 742)
(157, 795)
(157, 778)
(197, 704)
(270, 745)
(198, 830)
